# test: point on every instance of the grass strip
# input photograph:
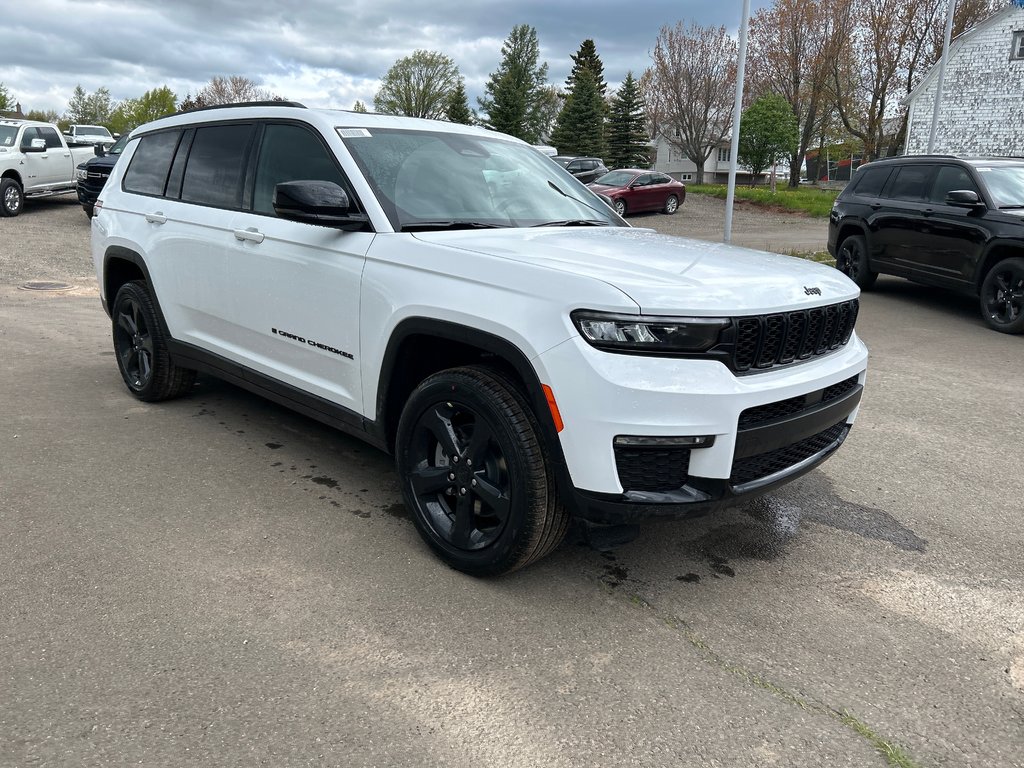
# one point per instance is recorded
(811, 201)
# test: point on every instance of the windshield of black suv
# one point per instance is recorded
(92, 130)
(440, 180)
(1006, 184)
(8, 133)
(118, 146)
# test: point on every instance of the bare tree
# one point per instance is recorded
(787, 57)
(233, 89)
(693, 80)
(419, 85)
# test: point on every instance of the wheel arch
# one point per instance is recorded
(996, 252)
(122, 265)
(10, 173)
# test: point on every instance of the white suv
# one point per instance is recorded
(452, 296)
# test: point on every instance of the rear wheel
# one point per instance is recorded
(852, 261)
(1002, 296)
(671, 205)
(620, 207)
(474, 474)
(141, 347)
(12, 197)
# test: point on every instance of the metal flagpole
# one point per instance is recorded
(737, 113)
(950, 9)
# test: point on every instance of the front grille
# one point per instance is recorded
(780, 409)
(766, 341)
(754, 468)
(652, 468)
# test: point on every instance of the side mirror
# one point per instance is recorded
(964, 198)
(36, 145)
(317, 202)
(99, 150)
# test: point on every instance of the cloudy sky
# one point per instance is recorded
(324, 53)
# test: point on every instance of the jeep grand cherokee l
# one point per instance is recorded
(939, 220)
(451, 296)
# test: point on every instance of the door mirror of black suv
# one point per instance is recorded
(99, 150)
(964, 198)
(317, 202)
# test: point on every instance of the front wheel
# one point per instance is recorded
(620, 207)
(12, 197)
(671, 205)
(474, 473)
(141, 347)
(1002, 296)
(89, 210)
(852, 261)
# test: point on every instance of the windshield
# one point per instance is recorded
(616, 179)
(118, 146)
(435, 179)
(1006, 184)
(92, 130)
(8, 133)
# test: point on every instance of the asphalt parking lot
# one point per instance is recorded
(219, 581)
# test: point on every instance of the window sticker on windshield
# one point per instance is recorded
(354, 133)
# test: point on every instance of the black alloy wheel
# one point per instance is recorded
(141, 348)
(474, 474)
(852, 261)
(1002, 296)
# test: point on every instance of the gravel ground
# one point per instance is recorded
(50, 239)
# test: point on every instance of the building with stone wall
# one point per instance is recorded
(982, 107)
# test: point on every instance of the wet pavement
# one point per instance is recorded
(218, 580)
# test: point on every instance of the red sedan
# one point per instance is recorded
(632, 191)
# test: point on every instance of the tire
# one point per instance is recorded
(474, 473)
(89, 210)
(140, 347)
(12, 198)
(1002, 296)
(671, 205)
(619, 206)
(852, 261)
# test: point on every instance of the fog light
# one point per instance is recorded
(696, 441)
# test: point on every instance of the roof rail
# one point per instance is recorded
(274, 103)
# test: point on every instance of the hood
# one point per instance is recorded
(98, 163)
(605, 187)
(665, 275)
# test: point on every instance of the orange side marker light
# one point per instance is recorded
(553, 406)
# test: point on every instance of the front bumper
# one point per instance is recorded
(767, 428)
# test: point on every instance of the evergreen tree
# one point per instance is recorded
(458, 110)
(6, 100)
(89, 108)
(514, 93)
(579, 129)
(586, 58)
(359, 106)
(627, 128)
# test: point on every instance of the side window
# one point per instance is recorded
(51, 137)
(871, 181)
(291, 153)
(150, 163)
(948, 178)
(660, 179)
(574, 167)
(28, 135)
(911, 183)
(590, 165)
(643, 181)
(216, 165)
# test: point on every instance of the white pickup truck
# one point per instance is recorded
(35, 161)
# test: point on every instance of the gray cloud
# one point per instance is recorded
(322, 52)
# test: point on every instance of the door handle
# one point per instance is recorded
(251, 234)
(156, 218)
(875, 206)
(928, 211)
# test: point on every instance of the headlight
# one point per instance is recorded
(81, 174)
(649, 335)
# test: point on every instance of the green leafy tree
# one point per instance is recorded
(153, 104)
(579, 129)
(768, 133)
(359, 106)
(6, 100)
(586, 58)
(457, 110)
(419, 85)
(45, 116)
(626, 131)
(515, 92)
(89, 108)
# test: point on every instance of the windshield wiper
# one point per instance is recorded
(563, 193)
(424, 226)
(1010, 207)
(574, 223)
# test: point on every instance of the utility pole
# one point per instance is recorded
(950, 10)
(737, 114)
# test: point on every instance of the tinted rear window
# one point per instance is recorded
(216, 165)
(911, 183)
(147, 173)
(870, 181)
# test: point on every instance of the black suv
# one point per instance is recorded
(940, 220)
(93, 173)
(586, 169)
